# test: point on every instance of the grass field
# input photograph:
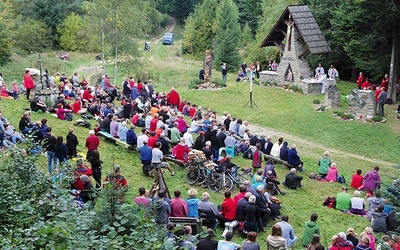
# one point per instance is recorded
(354, 144)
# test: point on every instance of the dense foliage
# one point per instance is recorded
(36, 214)
(227, 37)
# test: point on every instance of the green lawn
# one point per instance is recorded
(355, 143)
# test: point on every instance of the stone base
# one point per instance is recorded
(268, 76)
(362, 103)
(310, 86)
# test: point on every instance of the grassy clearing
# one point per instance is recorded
(278, 109)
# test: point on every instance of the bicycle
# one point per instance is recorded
(205, 175)
(234, 178)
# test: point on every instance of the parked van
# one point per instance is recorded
(168, 39)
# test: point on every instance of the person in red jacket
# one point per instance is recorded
(360, 80)
(366, 85)
(77, 106)
(28, 83)
(181, 151)
(173, 98)
(87, 95)
(153, 123)
(357, 179)
(385, 81)
(228, 209)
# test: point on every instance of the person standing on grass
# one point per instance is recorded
(95, 162)
(49, 146)
(257, 158)
(382, 101)
(29, 84)
(92, 143)
(224, 71)
(310, 229)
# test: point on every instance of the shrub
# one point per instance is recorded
(256, 82)
(322, 108)
(267, 84)
(316, 101)
(294, 88)
(343, 115)
(377, 118)
(219, 83)
(194, 84)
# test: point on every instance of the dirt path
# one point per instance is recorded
(169, 28)
(310, 148)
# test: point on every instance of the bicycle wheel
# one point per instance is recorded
(193, 175)
(214, 182)
(228, 183)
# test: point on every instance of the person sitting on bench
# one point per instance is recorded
(157, 157)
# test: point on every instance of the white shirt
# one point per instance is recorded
(188, 139)
(140, 139)
(276, 149)
(232, 126)
(357, 203)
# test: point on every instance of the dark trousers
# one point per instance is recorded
(250, 226)
(97, 176)
(265, 214)
(28, 92)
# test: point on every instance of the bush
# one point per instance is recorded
(256, 82)
(343, 115)
(316, 101)
(294, 88)
(219, 83)
(377, 118)
(323, 108)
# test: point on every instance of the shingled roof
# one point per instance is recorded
(305, 23)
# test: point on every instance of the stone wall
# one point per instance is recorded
(268, 76)
(299, 67)
(332, 97)
(362, 103)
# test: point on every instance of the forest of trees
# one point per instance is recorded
(360, 32)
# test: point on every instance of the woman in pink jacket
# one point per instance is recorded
(332, 173)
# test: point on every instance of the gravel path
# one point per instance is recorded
(308, 147)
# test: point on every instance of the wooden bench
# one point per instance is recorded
(278, 160)
(177, 162)
(117, 141)
(195, 223)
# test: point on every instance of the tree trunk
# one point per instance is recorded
(394, 62)
(103, 46)
(116, 57)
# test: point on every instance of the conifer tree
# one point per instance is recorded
(227, 38)
(199, 33)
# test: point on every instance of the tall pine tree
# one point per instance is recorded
(227, 39)
(199, 33)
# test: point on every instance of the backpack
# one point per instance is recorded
(82, 123)
(248, 154)
(330, 202)
(341, 179)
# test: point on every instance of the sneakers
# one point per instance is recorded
(172, 174)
